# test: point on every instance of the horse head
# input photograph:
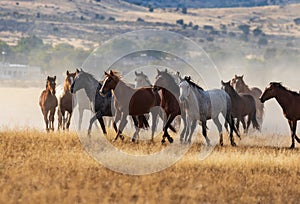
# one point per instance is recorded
(141, 80)
(110, 82)
(270, 91)
(50, 84)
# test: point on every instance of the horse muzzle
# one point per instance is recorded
(262, 99)
(155, 88)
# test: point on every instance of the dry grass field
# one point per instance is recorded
(37, 167)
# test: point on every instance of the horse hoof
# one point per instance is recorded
(163, 141)
(170, 139)
(122, 137)
(292, 146)
(233, 144)
(133, 140)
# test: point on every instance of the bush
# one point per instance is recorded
(257, 32)
(180, 22)
(262, 41)
(184, 10)
(140, 20)
(297, 21)
(245, 28)
(151, 9)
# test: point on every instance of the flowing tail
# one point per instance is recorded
(254, 121)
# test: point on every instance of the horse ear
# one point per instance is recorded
(111, 72)
(54, 77)
(242, 76)
(67, 72)
(81, 69)
(105, 73)
(235, 76)
(222, 82)
(48, 78)
(136, 74)
(158, 72)
(77, 71)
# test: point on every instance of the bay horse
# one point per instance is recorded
(166, 83)
(242, 105)
(205, 105)
(100, 105)
(48, 103)
(65, 102)
(241, 87)
(289, 102)
(130, 101)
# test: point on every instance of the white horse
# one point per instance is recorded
(204, 105)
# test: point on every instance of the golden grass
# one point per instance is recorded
(54, 168)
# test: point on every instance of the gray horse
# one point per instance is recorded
(205, 105)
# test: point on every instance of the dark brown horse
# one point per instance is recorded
(48, 103)
(289, 102)
(241, 87)
(169, 99)
(242, 105)
(130, 101)
(64, 111)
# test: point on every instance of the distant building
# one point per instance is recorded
(19, 72)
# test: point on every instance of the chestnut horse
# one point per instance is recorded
(289, 102)
(169, 99)
(65, 106)
(242, 105)
(48, 103)
(241, 87)
(130, 101)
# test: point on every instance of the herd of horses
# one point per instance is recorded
(167, 98)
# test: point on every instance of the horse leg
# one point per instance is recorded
(188, 129)
(219, 127)
(137, 129)
(244, 124)
(166, 134)
(185, 127)
(122, 125)
(117, 118)
(59, 117)
(92, 120)
(193, 127)
(204, 131)
(45, 113)
(69, 120)
(101, 121)
(293, 126)
(154, 114)
(230, 120)
(51, 118)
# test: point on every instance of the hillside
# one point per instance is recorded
(241, 40)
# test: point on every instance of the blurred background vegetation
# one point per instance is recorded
(51, 58)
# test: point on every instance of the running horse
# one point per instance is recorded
(289, 102)
(241, 87)
(65, 106)
(130, 101)
(166, 83)
(48, 103)
(242, 105)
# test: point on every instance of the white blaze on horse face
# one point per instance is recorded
(184, 91)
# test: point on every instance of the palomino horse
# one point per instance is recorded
(289, 102)
(205, 105)
(241, 87)
(100, 105)
(130, 101)
(169, 99)
(65, 106)
(242, 105)
(48, 102)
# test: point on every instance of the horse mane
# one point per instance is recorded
(193, 84)
(279, 85)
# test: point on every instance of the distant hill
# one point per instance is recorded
(208, 3)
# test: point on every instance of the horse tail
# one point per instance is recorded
(254, 121)
(142, 122)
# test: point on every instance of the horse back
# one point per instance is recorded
(256, 92)
(143, 100)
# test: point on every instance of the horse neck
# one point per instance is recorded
(174, 88)
(284, 98)
(91, 89)
(243, 88)
(67, 87)
(233, 94)
(122, 89)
